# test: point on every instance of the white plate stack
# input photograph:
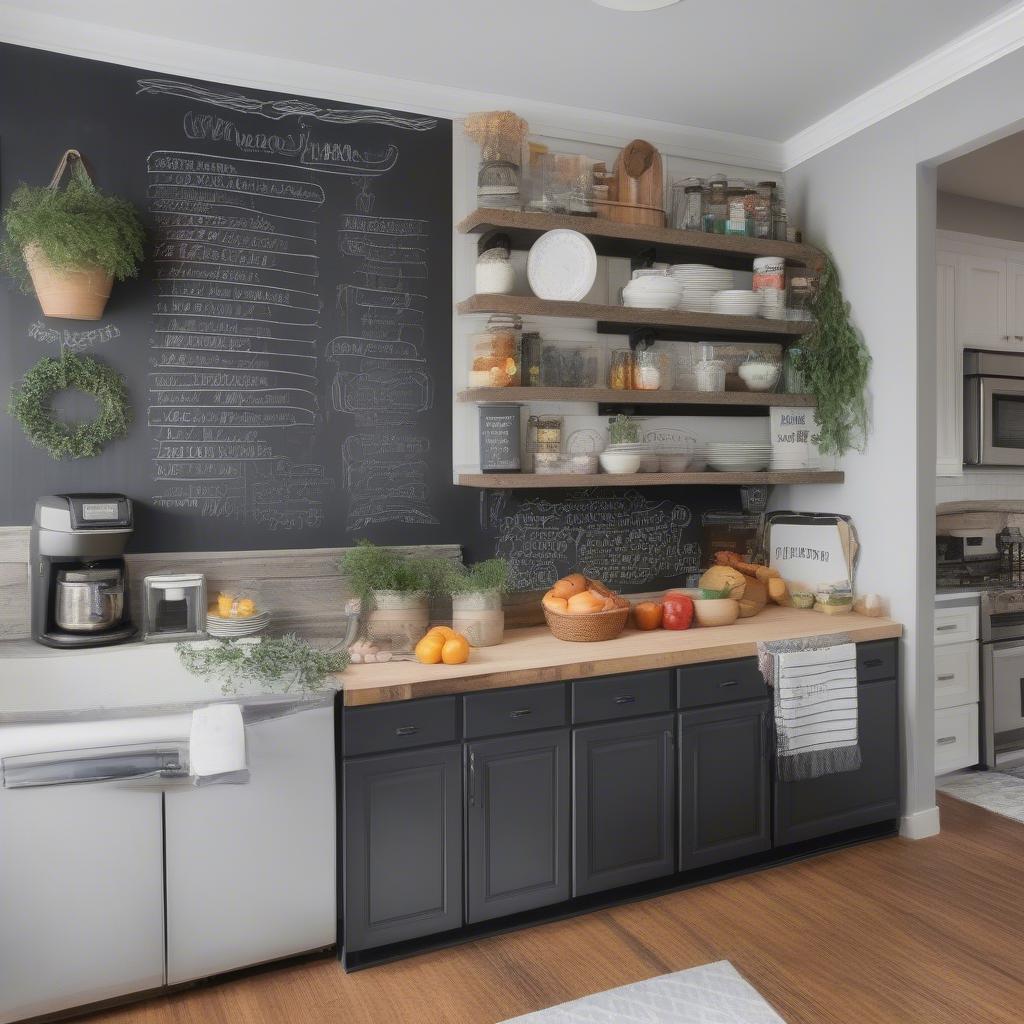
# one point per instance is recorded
(699, 282)
(652, 292)
(791, 429)
(738, 456)
(235, 628)
(736, 302)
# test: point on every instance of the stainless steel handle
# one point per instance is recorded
(872, 662)
(944, 741)
(945, 678)
(728, 683)
(945, 629)
(472, 778)
(626, 698)
(406, 730)
(670, 748)
(520, 713)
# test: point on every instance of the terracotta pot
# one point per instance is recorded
(79, 294)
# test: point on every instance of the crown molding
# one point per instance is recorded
(79, 38)
(985, 43)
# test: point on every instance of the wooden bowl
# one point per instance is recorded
(589, 627)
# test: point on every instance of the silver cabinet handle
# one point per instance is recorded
(944, 741)
(472, 778)
(520, 713)
(626, 698)
(945, 629)
(945, 678)
(406, 730)
(727, 683)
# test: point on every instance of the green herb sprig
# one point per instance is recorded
(480, 578)
(282, 663)
(370, 568)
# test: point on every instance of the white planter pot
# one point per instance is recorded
(479, 618)
(397, 620)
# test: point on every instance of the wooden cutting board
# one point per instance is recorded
(639, 179)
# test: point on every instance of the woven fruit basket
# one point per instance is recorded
(589, 627)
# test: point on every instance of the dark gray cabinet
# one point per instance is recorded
(724, 783)
(403, 845)
(517, 823)
(818, 807)
(624, 786)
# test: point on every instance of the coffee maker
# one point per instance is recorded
(79, 582)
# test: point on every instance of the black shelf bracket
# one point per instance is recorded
(642, 338)
(644, 259)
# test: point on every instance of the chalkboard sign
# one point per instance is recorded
(628, 539)
(499, 438)
(285, 340)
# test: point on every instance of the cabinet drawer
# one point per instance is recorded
(719, 683)
(399, 726)
(625, 696)
(956, 738)
(876, 659)
(955, 625)
(518, 710)
(956, 675)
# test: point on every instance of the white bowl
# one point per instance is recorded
(673, 463)
(620, 463)
(760, 376)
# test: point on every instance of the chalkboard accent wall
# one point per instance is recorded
(288, 343)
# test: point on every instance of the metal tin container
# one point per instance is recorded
(89, 600)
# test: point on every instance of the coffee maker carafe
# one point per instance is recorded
(79, 582)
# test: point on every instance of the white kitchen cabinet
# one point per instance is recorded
(956, 738)
(956, 675)
(1015, 303)
(81, 896)
(955, 624)
(251, 873)
(983, 302)
(948, 368)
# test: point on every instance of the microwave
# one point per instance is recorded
(993, 408)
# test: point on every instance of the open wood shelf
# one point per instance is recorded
(520, 481)
(667, 324)
(613, 396)
(612, 239)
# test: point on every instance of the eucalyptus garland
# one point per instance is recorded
(30, 405)
(835, 362)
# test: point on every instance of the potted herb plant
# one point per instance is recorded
(395, 590)
(476, 601)
(71, 243)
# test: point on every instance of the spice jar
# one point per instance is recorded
(764, 210)
(620, 370)
(648, 370)
(716, 204)
(531, 348)
(544, 443)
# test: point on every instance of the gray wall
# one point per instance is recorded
(980, 217)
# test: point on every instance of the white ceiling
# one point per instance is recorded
(994, 172)
(763, 69)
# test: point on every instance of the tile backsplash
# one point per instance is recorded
(981, 485)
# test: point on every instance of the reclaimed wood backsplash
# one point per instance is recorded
(302, 588)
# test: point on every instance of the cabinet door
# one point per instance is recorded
(948, 370)
(81, 896)
(832, 803)
(403, 846)
(624, 799)
(251, 873)
(723, 783)
(1015, 303)
(982, 303)
(517, 823)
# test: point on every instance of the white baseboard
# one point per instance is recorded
(921, 824)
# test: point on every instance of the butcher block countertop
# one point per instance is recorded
(534, 656)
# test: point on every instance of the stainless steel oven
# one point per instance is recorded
(1002, 678)
(993, 408)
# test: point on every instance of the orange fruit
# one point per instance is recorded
(455, 650)
(246, 607)
(446, 631)
(647, 615)
(428, 650)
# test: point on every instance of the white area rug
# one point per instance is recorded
(1000, 792)
(712, 994)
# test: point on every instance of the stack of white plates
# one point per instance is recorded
(736, 302)
(233, 629)
(652, 292)
(738, 456)
(784, 459)
(657, 457)
(699, 283)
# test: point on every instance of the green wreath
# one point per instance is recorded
(30, 406)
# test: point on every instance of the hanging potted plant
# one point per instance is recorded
(476, 601)
(71, 243)
(395, 590)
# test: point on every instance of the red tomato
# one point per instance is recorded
(678, 611)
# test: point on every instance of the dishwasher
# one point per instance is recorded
(119, 876)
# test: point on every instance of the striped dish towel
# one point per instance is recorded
(815, 695)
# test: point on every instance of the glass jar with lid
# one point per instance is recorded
(495, 357)
(543, 443)
(716, 204)
(764, 210)
(688, 204)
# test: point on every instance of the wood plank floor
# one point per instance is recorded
(929, 931)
